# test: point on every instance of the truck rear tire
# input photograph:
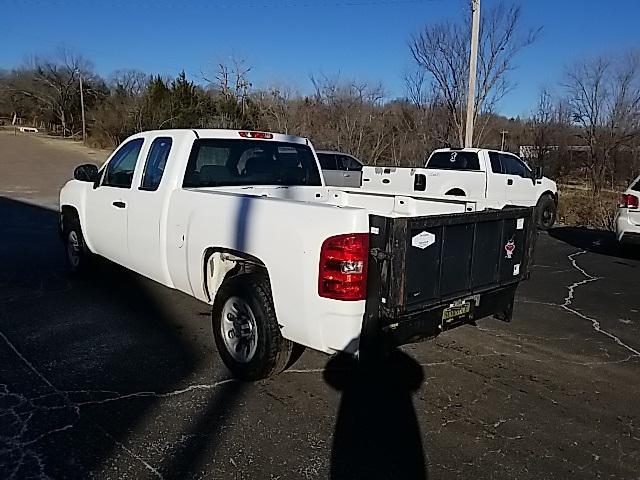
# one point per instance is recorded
(77, 254)
(246, 330)
(546, 208)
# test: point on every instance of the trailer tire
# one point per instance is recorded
(246, 330)
(547, 209)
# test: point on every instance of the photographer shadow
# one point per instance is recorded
(377, 435)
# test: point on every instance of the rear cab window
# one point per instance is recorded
(227, 162)
(496, 165)
(635, 185)
(156, 163)
(454, 160)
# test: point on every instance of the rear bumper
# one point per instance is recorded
(429, 323)
(626, 230)
(630, 238)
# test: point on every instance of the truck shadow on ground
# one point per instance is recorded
(596, 241)
(96, 358)
(87, 362)
(377, 435)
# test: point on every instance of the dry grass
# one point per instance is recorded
(579, 207)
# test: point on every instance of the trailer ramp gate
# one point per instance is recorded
(428, 274)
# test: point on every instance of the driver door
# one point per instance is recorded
(106, 207)
(520, 183)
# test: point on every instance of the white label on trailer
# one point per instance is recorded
(520, 224)
(375, 230)
(516, 269)
(423, 240)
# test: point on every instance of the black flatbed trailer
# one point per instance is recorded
(430, 274)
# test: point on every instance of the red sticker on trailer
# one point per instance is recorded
(510, 247)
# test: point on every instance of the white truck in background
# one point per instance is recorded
(500, 178)
(244, 221)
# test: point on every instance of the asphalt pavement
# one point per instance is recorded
(114, 376)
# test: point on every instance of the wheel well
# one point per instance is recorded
(549, 193)
(458, 192)
(221, 264)
(69, 211)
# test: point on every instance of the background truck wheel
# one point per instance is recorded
(77, 255)
(246, 329)
(546, 212)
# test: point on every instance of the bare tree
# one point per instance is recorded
(442, 51)
(53, 83)
(604, 97)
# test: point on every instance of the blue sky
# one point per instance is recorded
(285, 41)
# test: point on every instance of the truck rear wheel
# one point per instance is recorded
(246, 330)
(546, 208)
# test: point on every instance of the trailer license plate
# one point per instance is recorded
(456, 312)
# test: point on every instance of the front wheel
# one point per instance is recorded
(246, 330)
(77, 255)
(547, 210)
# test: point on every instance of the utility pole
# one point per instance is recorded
(84, 127)
(503, 132)
(473, 66)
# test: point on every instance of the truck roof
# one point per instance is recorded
(229, 134)
(448, 149)
(474, 150)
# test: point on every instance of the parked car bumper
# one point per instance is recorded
(626, 230)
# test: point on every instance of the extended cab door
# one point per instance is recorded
(106, 205)
(146, 219)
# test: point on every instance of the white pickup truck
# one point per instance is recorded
(243, 221)
(498, 177)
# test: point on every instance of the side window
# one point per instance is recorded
(156, 161)
(635, 186)
(345, 162)
(514, 166)
(119, 171)
(327, 161)
(496, 166)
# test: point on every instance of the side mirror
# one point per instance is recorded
(420, 182)
(538, 173)
(86, 173)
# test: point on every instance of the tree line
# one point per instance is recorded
(586, 127)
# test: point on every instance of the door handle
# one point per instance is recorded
(346, 174)
(119, 204)
(510, 181)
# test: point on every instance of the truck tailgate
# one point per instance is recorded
(420, 263)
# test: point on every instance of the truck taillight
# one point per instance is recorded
(628, 201)
(263, 135)
(343, 267)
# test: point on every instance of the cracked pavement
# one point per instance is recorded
(113, 376)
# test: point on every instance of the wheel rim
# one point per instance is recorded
(239, 330)
(73, 249)
(548, 216)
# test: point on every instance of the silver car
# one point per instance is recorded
(340, 169)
